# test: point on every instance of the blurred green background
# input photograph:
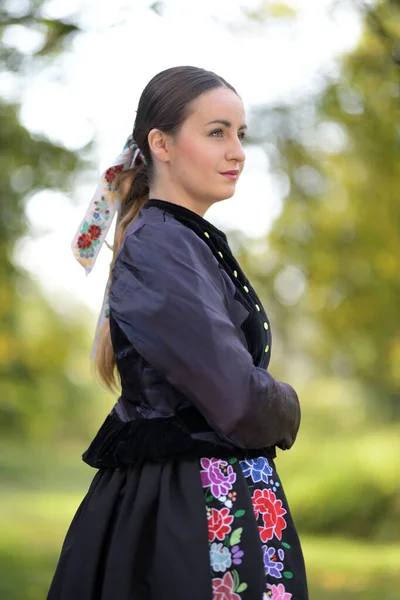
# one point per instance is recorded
(328, 274)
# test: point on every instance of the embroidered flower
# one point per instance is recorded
(272, 565)
(84, 241)
(256, 468)
(223, 588)
(278, 592)
(94, 231)
(220, 557)
(237, 555)
(275, 484)
(266, 503)
(218, 475)
(111, 173)
(219, 524)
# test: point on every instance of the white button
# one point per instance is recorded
(265, 325)
(206, 234)
(235, 273)
(258, 308)
(220, 253)
(246, 289)
(266, 348)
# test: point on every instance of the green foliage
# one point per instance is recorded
(46, 385)
(46, 388)
(55, 33)
(30, 164)
(341, 477)
(267, 10)
(332, 267)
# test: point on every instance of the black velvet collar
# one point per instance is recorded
(185, 214)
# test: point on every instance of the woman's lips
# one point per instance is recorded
(231, 176)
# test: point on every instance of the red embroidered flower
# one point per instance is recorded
(84, 241)
(219, 524)
(111, 173)
(94, 231)
(266, 503)
(223, 588)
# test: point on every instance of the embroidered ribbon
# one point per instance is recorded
(98, 218)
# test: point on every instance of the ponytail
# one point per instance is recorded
(133, 189)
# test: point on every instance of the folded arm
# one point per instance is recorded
(168, 297)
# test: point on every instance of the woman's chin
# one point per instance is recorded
(226, 191)
(228, 194)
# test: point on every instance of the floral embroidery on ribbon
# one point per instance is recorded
(218, 479)
(269, 511)
(220, 557)
(218, 475)
(91, 231)
(272, 565)
(94, 227)
(219, 524)
(277, 592)
(267, 504)
(258, 469)
(223, 588)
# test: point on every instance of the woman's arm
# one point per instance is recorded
(168, 297)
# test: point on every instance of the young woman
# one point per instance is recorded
(186, 503)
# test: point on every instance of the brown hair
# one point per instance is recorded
(164, 105)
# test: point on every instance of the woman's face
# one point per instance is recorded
(208, 144)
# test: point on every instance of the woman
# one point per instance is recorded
(186, 502)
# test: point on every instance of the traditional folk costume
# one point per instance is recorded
(186, 503)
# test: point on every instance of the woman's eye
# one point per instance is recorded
(241, 135)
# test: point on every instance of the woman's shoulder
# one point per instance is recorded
(158, 238)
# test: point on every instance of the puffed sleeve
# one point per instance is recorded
(168, 297)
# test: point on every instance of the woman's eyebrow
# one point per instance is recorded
(226, 123)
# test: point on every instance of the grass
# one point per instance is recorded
(34, 524)
(41, 489)
(345, 569)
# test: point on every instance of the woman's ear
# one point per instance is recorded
(159, 145)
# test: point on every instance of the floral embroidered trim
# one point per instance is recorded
(218, 479)
(269, 512)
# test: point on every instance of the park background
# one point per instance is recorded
(315, 224)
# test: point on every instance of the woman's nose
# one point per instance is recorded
(236, 151)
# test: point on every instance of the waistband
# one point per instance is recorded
(119, 443)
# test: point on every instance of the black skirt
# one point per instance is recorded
(203, 529)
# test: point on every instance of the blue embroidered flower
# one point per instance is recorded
(86, 254)
(220, 557)
(271, 563)
(256, 468)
